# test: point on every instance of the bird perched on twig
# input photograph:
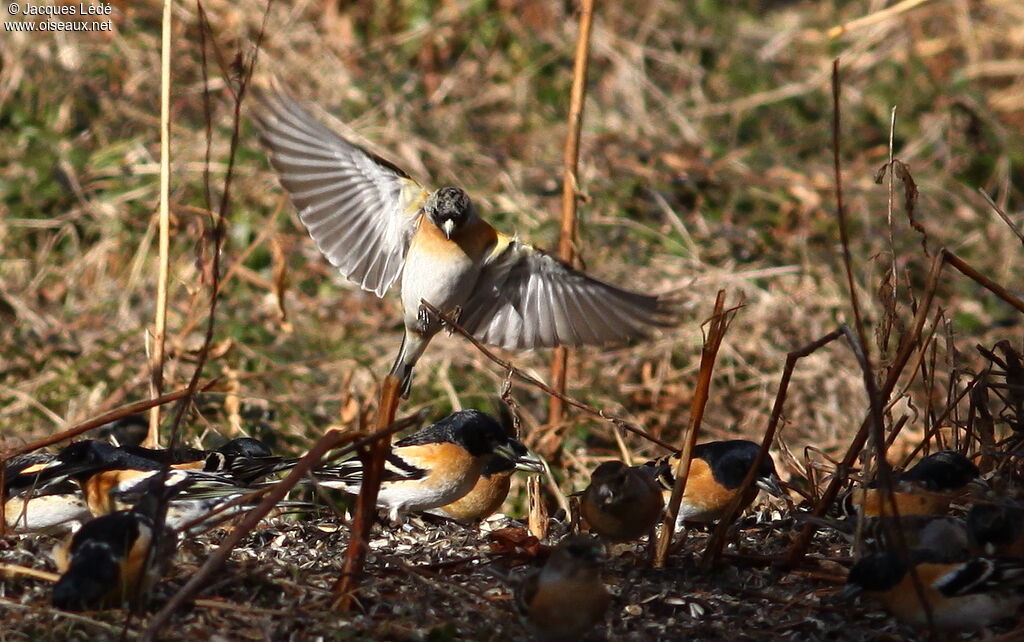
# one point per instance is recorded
(566, 598)
(962, 596)
(622, 503)
(376, 224)
(434, 466)
(716, 472)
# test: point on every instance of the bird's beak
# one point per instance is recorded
(771, 486)
(530, 462)
(606, 495)
(448, 227)
(523, 458)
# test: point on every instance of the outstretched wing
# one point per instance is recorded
(360, 209)
(526, 298)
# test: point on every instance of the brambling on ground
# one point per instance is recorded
(243, 459)
(490, 491)
(566, 598)
(997, 530)
(109, 561)
(925, 489)
(716, 472)
(376, 224)
(622, 503)
(432, 467)
(112, 479)
(962, 596)
(34, 505)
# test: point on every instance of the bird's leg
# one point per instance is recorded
(454, 314)
(423, 319)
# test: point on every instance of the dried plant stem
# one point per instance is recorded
(908, 345)
(11, 570)
(719, 323)
(160, 326)
(570, 191)
(537, 512)
(366, 502)
(717, 541)
(874, 18)
(967, 270)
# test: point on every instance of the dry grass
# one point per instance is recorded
(705, 160)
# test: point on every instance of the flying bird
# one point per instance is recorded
(377, 225)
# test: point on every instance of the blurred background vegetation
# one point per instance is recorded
(706, 164)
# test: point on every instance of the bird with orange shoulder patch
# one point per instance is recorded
(434, 466)
(114, 560)
(961, 595)
(377, 225)
(717, 470)
(925, 489)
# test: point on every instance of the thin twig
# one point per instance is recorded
(719, 323)
(717, 541)
(1006, 219)
(570, 192)
(950, 257)
(160, 326)
(105, 418)
(366, 502)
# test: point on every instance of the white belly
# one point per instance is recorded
(444, 284)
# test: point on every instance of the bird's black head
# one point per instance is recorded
(476, 431)
(496, 465)
(731, 459)
(607, 480)
(876, 572)
(91, 578)
(83, 458)
(449, 208)
(245, 447)
(943, 471)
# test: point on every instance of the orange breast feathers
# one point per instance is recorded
(704, 499)
(473, 239)
(447, 464)
(873, 503)
(97, 489)
(483, 500)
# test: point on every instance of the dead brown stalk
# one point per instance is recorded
(570, 194)
(719, 324)
(366, 502)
